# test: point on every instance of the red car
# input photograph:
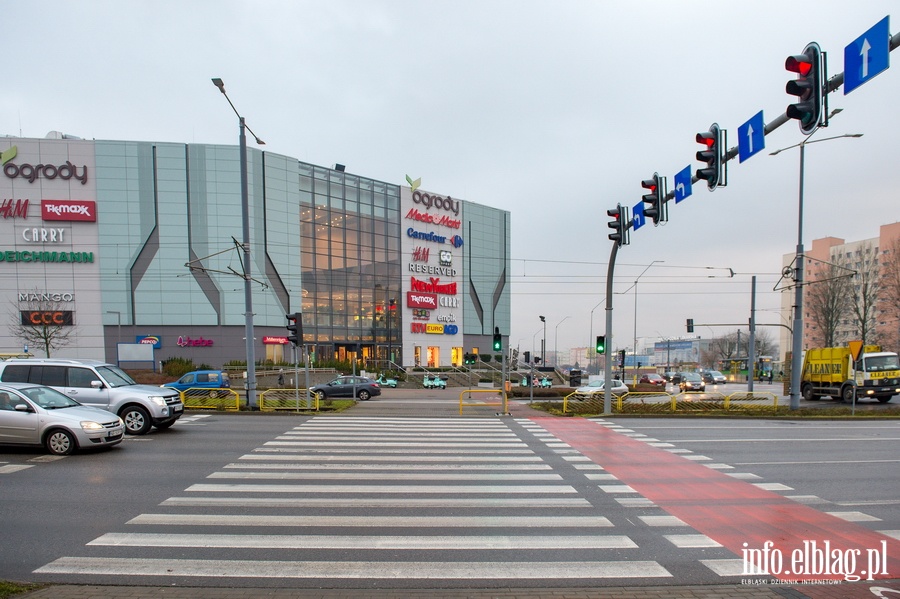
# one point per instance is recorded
(653, 379)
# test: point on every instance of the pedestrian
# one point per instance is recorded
(281, 377)
(771, 376)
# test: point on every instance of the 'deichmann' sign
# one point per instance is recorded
(61, 257)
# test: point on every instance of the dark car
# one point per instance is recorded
(347, 386)
(653, 379)
(713, 377)
(690, 381)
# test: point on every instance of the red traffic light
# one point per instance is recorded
(801, 64)
(614, 213)
(649, 184)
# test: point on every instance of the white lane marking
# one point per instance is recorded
(772, 486)
(854, 516)
(397, 489)
(417, 467)
(490, 476)
(293, 457)
(10, 468)
(687, 541)
(566, 570)
(369, 521)
(418, 542)
(663, 521)
(725, 567)
(362, 502)
(373, 446)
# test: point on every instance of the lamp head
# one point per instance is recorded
(219, 83)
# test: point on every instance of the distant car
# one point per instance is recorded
(668, 375)
(598, 386)
(201, 379)
(347, 386)
(653, 379)
(690, 381)
(714, 377)
(37, 415)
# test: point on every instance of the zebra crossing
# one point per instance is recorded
(340, 498)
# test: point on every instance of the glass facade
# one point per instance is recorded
(350, 256)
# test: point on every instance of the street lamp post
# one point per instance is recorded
(797, 329)
(245, 242)
(544, 341)
(634, 350)
(391, 303)
(556, 342)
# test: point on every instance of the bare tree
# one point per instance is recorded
(864, 297)
(890, 295)
(765, 342)
(827, 302)
(42, 323)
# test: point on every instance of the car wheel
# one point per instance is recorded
(320, 395)
(60, 442)
(807, 392)
(848, 393)
(137, 420)
(364, 395)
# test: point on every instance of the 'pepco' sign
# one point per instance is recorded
(50, 318)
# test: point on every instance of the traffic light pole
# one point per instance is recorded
(607, 372)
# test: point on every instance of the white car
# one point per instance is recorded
(599, 386)
(37, 415)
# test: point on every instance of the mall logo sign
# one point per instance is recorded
(32, 172)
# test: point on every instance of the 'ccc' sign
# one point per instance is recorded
(49, 318)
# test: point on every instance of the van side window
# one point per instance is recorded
(81, 377)
(16, 373)
(52, 376)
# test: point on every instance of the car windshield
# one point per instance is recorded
(47, 398)
(690, 376)
(716, 373)
(116, 377)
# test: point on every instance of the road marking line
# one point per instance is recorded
(566, 570)
(369, 521)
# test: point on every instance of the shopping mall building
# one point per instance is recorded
(130, 242)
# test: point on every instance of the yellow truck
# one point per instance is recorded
(848, 373)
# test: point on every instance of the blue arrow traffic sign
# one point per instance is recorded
(751, 136)
(683, 184)
(637, 215)
(867, 56)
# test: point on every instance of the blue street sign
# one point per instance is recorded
(751, 136)
(683, 184)
(638, 216)
(867, 55)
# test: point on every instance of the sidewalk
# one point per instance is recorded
(841, 591)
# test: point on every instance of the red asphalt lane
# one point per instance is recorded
(734, 513)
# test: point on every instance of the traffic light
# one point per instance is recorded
(498, 340)
(295, 328)
(601, 344)
(528, 357)
(808, 87)
(713, 174)
(619, 224)
(470, 358)
(621, 358)
(690, 325)
(653, 198)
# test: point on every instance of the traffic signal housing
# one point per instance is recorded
(601, 344)
(690, 325)
(653, 198)
(714, 172)
(811, 108)
(619, 225)
(621, 358)
(498, 340)
(295, 328)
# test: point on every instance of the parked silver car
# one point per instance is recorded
(37, 415)
(598, 386)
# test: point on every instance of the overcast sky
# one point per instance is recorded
(552, 110)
